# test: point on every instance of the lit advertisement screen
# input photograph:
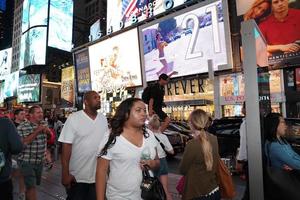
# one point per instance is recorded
(3, 8)
(33, 47)
(60, 24)
(129, 11)
(35, 13)
(83, 77)
(182, 44)
(67, 85)
(29, 88)
(2, 92)
(11, 85)
(5, 62)
(115, 62)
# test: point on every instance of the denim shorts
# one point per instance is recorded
(32, 173)
(163, 168)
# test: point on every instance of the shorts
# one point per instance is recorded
(163, 168)
(32, 173)
(161, 114)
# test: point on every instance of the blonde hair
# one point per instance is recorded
(249, 14)
(198, 120)
(154, 122)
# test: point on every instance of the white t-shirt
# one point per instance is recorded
(163, 139)
(125, 176)
(85, 135)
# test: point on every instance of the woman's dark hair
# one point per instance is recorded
(271, 122)
(117, 123)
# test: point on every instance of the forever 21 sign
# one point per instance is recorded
(129, 12)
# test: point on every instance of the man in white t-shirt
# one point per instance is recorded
(81, 136)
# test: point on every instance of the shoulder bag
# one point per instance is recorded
(280, 183)
(151, 187)
(226, 184)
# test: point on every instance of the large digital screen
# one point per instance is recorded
(60, 24)
(35, 13)
(115, 62)
(83, 77)
(5, 62)
(1, 92)
(127, 12)
(282, 34)
(29, 87)
(33, 47)
(2, 6)
(11, 85)
(182, 44)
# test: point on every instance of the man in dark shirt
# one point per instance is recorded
(10, 143)
(20, 116)
(156, 101)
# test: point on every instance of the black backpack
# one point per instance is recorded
(147, 94)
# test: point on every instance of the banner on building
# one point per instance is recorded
(67, 86)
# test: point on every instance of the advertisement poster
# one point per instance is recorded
(297, 72)
(1, 92)
(113, 65)
(181, 45)
(127, 12)
(35, 13)
(83, 71)
(60, 24)
(5, 62)
(29, 87)
(11, 85)
(33, 47)
(281, 31)
(67, 86)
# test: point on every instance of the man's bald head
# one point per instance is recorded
(91, 100)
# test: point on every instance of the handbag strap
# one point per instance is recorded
(161, 144)
(146, 171)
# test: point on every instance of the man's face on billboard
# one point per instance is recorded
(279, 6)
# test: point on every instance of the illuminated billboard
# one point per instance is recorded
(67, 85)
(2, 8)
(35, 13)
(11, 85)
(83, 77)
(60, 24)
(181, 44)
(29, 88)
(115, 62)
(282, 35)
(33, 47)
(125, 13)
(5, 62)
(1, 92)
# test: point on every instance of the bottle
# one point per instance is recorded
(145, 154)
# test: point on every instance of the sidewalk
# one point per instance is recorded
(51, 188)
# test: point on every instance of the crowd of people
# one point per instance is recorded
(106, 162)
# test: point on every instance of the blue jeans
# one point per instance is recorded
(215, 196)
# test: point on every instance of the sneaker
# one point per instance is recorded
(21, 196)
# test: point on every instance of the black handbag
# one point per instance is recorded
(280, 183)
(151, 187)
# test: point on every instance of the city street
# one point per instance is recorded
(51, 188)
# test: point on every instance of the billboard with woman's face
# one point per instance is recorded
(279, 23)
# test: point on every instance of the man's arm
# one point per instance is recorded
(151, 101)
(28, 139)
(286, 48)
(67, 178)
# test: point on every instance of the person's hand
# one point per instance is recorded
(289, 48)
(239, 167)
(146, 162)
(67, 180)
(287, 168)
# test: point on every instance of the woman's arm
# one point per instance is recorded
(285, 154)
(101, 173)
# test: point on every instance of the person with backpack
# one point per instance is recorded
(154, 97)
(10, 143)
